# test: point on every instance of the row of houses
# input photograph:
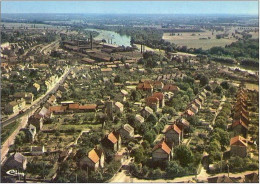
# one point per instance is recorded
(163, 151)
(240, 125)
(150, 86)
(95, 158)
(194, 107)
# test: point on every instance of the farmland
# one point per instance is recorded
(204, 40)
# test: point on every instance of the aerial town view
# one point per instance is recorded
(122, 92)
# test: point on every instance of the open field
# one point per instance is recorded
(204, 40)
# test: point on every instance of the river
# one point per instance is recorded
(117, 39)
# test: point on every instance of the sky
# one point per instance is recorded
(132, 7)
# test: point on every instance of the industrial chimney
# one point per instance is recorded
(91, 41)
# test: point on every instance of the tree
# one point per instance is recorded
(173, 168)
(225, 85)
(218, 90)
(152, 119)
(232, 90)
(117, 79)
(220, 123)
(208, 88)
(138, 154)
(169, 110)
(150, 136)
(204, 80)
(135, 95)
(224, 136)
(183, 154)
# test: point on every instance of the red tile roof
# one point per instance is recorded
(238, 140)
(158, 95)
(74, 106)
(92, 155)
(58, 108)
(151, 100)
(170, 87)
(174, 127)
(189, 112)
(239, 122)
(88, 107)
(112, 138)
(162, 145)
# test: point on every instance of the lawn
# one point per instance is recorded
(8, 130)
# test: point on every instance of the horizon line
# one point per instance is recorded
(139, 13)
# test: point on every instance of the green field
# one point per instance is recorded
(201, 39)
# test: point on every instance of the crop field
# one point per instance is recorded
(204, 40)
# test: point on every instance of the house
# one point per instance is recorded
(52, 100)
(193, 108)
(45, 113)
(36, 121)
(139, 118)
(145, 86)
(157, 85)
(239, 128)
(197, 103)
(241, 109)
(94, 159)
(240, 115)
(35, 87)
(153, 102)
(173, 134)
(126, 131)
(64, 87)
(160, 96)
(170, 88)
(27, 96)
(183, 124)
(113, 141)
(238, 146)
(15, 106)
(252, 178)
(122, 95)
(106, 71)
(58, 109)
(31, 132)
(37, 150)
(161, 152)
(16, 161)
(201, 99)
(241, 103)
(12, 107)
(88, 108)
(203, 94)
(119, 108)
(146, 112)
(220, 179)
